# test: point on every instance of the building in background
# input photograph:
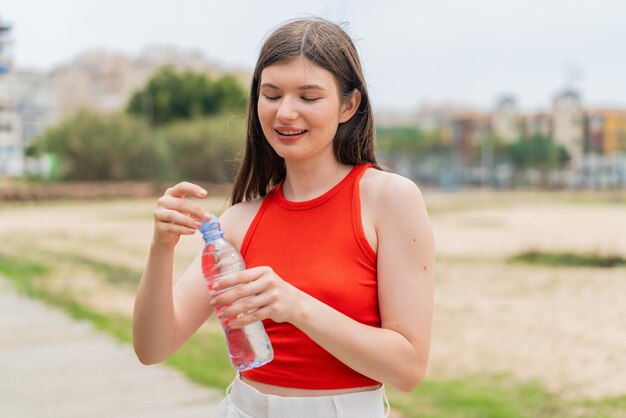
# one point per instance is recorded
(391, 118)
(537, 124)
(10, 150)
(568, 123)
(606, 131)
(469, 128)
(28, 107)
(595, 139)
(455, 124)
(97, 81)
(6, 57)
(505, 119)
(104, 81)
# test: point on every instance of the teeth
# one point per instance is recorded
(290, 132)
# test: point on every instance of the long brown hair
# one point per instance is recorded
(329, 46)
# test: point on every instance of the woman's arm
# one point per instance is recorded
(164, 317)
(397, 353)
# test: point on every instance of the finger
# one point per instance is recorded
(244, 276)
(175, 229)
(176, 218)
(235, 293)
(249, 317)
(185, 206)
(246, 306)
(186, 188)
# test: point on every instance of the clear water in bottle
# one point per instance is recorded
(248, 347)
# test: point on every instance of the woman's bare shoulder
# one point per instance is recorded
(382, 190)
(382, 178)
(236, 220)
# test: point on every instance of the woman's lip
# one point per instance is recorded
(290, 138)
(289, 128)
(284, 129)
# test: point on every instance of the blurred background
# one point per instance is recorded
(510, 116)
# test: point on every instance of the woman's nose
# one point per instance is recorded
(286, 111)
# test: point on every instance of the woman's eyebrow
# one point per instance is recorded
(311, 87)
(305, 87)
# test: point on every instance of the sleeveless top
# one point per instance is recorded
(319, 247)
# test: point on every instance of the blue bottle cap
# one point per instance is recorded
(211, 230)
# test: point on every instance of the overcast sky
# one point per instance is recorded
(413, 52)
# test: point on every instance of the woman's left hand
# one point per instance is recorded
(254, 294)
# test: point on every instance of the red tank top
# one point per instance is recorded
(319, 247)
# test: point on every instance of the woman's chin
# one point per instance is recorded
(290, 155)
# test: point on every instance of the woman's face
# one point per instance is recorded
(299, 108)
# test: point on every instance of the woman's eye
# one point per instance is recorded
(308, 99)
(271, 97)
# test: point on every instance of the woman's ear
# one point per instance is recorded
(350, 106)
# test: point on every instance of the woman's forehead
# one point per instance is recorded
(298, 73)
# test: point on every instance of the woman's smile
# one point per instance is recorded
(289, 135)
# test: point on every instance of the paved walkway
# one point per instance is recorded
(52, 366)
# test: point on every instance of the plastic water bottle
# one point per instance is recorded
(248, 347)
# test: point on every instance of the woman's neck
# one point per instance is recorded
(306, 180)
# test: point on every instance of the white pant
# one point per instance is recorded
(244, 401)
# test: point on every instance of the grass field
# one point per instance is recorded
(510, 338)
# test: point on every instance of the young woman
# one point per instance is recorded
(339, 254)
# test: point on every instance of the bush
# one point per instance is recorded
(122, 147)
(409, 141)
(569, 259)
(94, 147)
(204, 149)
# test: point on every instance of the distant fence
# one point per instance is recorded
(93, 190)
(589, 172)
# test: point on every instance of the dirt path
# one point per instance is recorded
(501, 232)
(53, 366)
(562, 327)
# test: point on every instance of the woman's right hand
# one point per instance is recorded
(175, 216)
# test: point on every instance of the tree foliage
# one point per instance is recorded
(170, 96)
(94, 147)
(408, 140)
(204, 149)
(122, 147)
(538, 152)
(534, 152)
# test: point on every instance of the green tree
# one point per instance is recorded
(204, 149)
(229, 94)
(538, 152)
(408, 140)
(490, 149)
(170, 95)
